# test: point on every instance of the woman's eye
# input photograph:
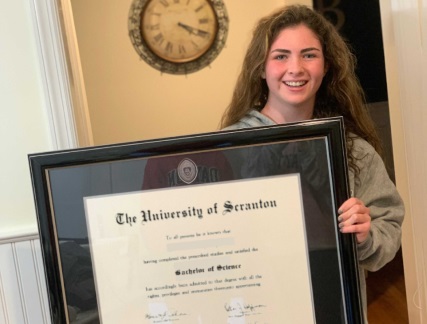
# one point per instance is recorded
(309, 55)
(280, 57)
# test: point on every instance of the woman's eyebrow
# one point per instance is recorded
(282, 50)
(309, 49)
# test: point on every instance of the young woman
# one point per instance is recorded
(298, 67)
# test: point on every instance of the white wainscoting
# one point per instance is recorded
(23, 293)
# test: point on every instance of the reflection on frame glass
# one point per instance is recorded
(236, 226)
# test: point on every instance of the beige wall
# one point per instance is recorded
(129, 100)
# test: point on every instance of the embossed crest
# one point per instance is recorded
(187, 171)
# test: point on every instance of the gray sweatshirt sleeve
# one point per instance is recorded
(374, 187)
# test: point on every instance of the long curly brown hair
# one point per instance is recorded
(340, 93)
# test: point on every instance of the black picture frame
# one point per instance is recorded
(315, 150)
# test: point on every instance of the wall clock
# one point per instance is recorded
(178, 36)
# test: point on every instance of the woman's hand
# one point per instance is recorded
(354, 218)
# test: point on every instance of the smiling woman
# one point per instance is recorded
(298, 67)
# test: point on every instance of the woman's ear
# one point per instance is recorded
(263, 74)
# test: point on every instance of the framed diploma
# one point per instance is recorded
(227, 227)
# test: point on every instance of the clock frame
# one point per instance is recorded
(178, 36)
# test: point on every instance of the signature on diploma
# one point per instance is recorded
(238, 309)
(165, 316)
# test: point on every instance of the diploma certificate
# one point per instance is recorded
(197, 253)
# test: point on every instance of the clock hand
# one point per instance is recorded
(186, 27)
(194, 31)
(202, 33)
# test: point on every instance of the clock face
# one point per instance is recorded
(178, 36)
(179, 31)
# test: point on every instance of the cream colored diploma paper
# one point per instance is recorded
(231, 252)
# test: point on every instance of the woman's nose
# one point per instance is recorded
(295, 66)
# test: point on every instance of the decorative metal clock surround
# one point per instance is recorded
(178, 36)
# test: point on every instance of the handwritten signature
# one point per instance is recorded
(165, 316)
(238, 309)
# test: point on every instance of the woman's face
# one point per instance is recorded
(294, 70)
